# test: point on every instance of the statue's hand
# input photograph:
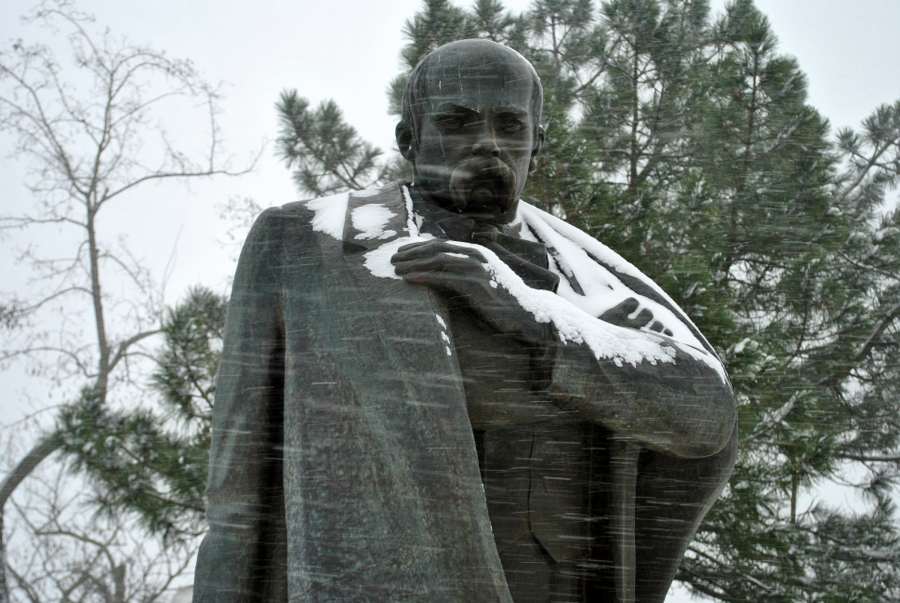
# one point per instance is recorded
(621, 316)
(460, 272)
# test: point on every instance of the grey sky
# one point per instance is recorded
(348, 50)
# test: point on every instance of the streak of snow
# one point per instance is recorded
(412, 226)
(369, 192)
(573, 315)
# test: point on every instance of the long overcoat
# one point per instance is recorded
(343, 465)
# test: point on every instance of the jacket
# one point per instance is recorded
(343, 465)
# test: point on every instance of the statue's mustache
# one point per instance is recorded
(482, 182)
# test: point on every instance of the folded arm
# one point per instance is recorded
(682, 407)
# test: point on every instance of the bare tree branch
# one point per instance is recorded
(42, 450)
(81, 558)
(89, 135)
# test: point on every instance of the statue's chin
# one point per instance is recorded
(488, 189)
(483, 196)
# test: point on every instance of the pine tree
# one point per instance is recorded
(325, 152)
(798, 317)
(147, 464)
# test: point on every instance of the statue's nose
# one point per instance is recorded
(487, 145)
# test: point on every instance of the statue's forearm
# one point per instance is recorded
(683, 408)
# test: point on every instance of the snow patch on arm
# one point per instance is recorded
(571, 250)
(378, 261)
(566, 235)
(574, 324)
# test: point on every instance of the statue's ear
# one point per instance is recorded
(536, 149)
(405, 141)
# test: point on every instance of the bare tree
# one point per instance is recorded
(63, 553)
(88, 128)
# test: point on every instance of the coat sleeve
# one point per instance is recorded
(243, 489)
(684, 408)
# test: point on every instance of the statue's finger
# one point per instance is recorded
(449, 262)
(627, 307)
(420, 249)
(410, 246)
(431, 248)
(643, 318)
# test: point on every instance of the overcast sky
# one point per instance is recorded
(347, 50)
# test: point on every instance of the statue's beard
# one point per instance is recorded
(482, 185)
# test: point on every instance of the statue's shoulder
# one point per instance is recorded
(328, 215)
(552, 229)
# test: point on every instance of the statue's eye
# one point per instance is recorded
(450, 121)
(510, 124)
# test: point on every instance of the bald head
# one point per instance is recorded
(465, 59)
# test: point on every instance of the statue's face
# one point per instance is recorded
(476, 140)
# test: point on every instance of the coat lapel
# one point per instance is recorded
(415, 395)
(416, 328)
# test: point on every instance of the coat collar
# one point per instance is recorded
(375, 217)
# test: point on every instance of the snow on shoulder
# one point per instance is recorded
(370, 220)
(330, 214)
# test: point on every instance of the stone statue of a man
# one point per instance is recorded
(435, 392)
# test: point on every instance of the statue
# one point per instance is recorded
(436, 392)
